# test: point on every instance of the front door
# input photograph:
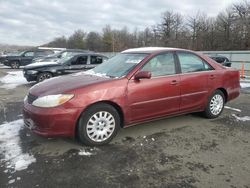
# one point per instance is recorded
(157, 96)
(27, 58)
(77, 64)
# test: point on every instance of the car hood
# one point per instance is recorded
(50, 58)
(64, 84)
(41, 64)
(12, 56)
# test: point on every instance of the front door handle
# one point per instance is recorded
(174, 82)
(212, 76)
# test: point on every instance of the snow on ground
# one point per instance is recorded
(244, 118)
(4, 67)
(91, 72)
(245, 84)
(12, 80)
(85, 153)
(234, 109)
(14, 159)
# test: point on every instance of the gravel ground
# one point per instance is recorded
(184, 151)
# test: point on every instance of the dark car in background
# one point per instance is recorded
(24, 58)
(222, 60)
(59, 55)
(4, 56)
(70, 64)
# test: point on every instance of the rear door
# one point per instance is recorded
(94, 61)
(157, 96)
(194, 85)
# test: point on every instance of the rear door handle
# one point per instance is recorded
(174, 82)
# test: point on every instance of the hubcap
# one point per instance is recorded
(44, 77)
(100, 126)
(216, 104)
(14, 65)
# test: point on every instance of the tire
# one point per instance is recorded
(98, 125)
(15, 65)
(43, 76)
(215, 105)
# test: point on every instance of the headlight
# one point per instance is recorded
(31, 72)
(52, 100)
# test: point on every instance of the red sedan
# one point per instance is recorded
(135, 86)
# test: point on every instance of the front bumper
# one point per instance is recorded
(51, 122)
(6, 63)
(30, 77)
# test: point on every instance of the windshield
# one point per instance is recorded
(53, 55)
(20, 53)
(65, 54)
(118, 66)
(64, 60)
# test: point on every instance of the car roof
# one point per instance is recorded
(151, 50)
(78, 54)
(76, 50)
(216, 56)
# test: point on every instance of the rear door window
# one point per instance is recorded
(96, 59)
(192, 63)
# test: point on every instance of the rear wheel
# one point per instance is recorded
(44, 76)
(215, 104)
(15, 65)
(98, 125)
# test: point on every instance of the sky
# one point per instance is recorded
(35, 22)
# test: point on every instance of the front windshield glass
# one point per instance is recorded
(53, 55)
(64, 60)
(119, 65)
(21, 53)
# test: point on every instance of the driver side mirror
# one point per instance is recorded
(143, 75)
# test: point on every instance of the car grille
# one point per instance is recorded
(31, 98)
(28, 123)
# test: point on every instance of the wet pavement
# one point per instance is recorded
(184, 151)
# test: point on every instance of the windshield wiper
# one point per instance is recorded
(111, 76)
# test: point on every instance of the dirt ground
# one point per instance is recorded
(186, 151)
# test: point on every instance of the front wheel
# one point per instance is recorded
(98, 125)
(215, 105)
(15, 65)
(44, 76)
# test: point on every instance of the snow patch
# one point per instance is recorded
(230, 108)
(10, 149)
(83, 152)
(78, 73)
(244, 84)
(245, 118)
(12, 80)
(142, 49)
(4, 67)
(91, 72)
(12, 181)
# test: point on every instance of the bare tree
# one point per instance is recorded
(94, 41)
(77, 40)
